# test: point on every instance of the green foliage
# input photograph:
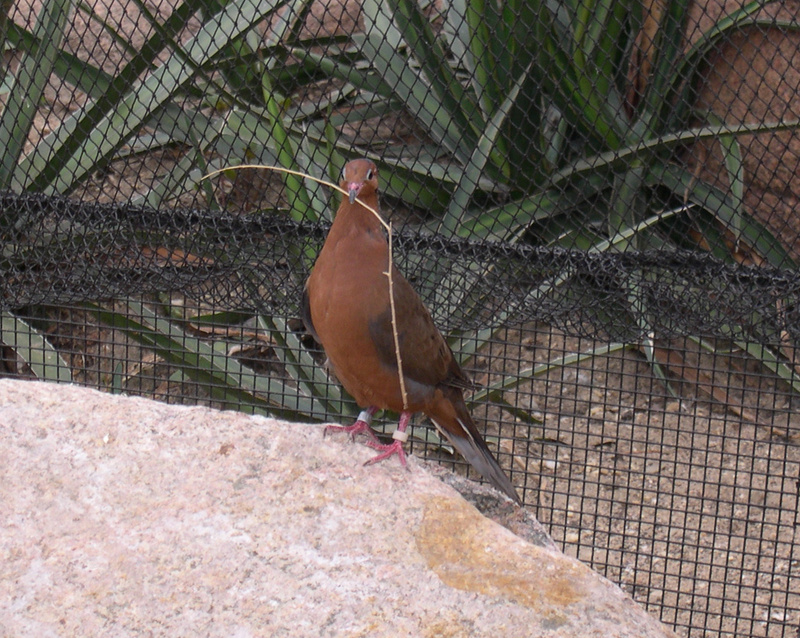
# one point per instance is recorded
(33, 349)
(532, 131)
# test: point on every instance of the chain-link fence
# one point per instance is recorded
(596, 200)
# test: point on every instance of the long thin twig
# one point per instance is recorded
(402, 378)
(388, 273)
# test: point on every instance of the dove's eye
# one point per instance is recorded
(370, 174)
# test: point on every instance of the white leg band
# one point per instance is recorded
(365, 416)
(400, 436)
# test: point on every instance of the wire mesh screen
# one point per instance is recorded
(597, 202)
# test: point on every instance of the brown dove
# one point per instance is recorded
(346, 309)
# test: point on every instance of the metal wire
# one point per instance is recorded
(613, 260)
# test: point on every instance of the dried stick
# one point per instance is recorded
(388, 274)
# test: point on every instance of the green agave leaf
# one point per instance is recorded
(333, 67)
(302, 203)
(418, 36)
(623, 238)
(668, 53)
(594, 117)
(492, 42)
(598, 36)
(304, 370)
(606, 163)
(772, 362)
(764, 355)
(67, 67)
(511, 221)
(646, 345)
(732, 155)
(719, 203)
(210, 363)
(410, 86)
(156, 89)
(119, 39)
(40, 166)
(29, 84)
(626, 200)
(312, 159)
(32, 347)
(463, 194)
(299, 199)
(470, 177)
(480, 25)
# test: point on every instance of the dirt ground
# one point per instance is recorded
(689, 504)
(691, 508)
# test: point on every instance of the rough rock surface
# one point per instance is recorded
(126, 517)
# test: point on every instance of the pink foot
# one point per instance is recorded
(396, 446)
(361, 425)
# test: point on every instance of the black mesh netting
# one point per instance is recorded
(597, 201)
(62, 251)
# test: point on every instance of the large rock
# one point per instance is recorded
(124, 517)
